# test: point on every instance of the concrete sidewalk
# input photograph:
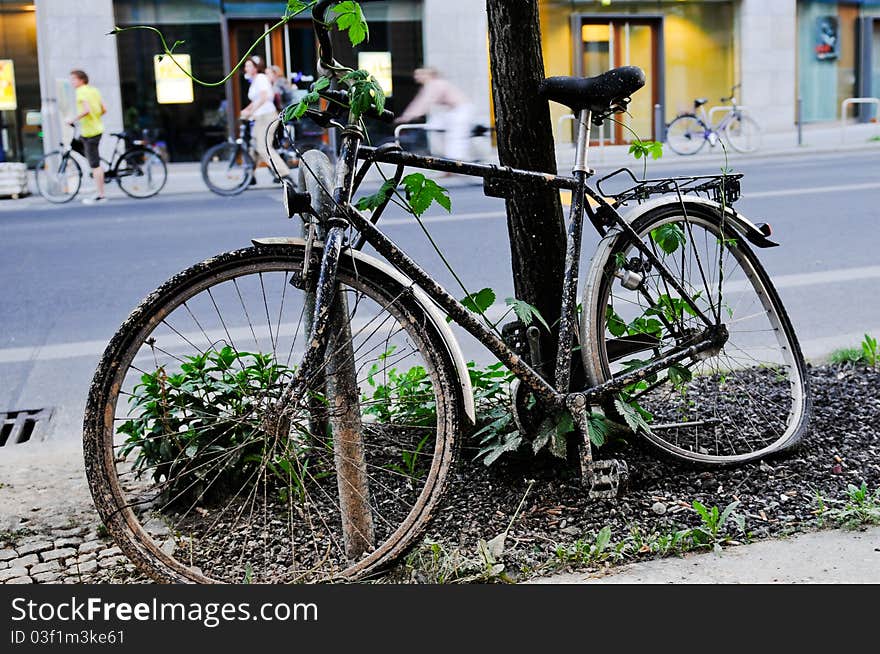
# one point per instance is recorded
(825, 139)
(826, 557)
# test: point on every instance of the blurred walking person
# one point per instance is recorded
(90, 107)
(457, 117)
(262, 111)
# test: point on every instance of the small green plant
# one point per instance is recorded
(190, 431)
(847, 355)
(712, 531)
(586, 552)
(860, 508)
(870, 353)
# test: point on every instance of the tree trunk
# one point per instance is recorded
(525, 140)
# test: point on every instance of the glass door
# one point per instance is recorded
(610, 43)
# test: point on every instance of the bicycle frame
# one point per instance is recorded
(497, 181)
(496, 178)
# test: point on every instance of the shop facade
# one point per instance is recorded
(687, 50)
(838, 56)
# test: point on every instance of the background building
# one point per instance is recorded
(821, 50)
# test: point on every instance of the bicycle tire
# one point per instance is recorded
(407, 504)
(743, 133)
(686, 134)
(239, 168)
(136, 182)
(749, 360)
(69, 185)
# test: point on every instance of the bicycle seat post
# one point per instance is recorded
(582, 153)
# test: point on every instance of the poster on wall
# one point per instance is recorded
(826, 38)
(7, 86)
(379, 66)
(173, 85)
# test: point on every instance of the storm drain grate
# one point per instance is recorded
(21, 426)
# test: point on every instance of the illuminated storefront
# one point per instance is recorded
(217, 34)
(19, 83)
(687, 50)
(838, 55)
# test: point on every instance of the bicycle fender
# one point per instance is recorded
(437, 317)
(745, 226)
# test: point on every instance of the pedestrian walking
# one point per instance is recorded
(284, 90)
(90, 107)
(262, 111)
(457, 118)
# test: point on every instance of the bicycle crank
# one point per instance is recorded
(604, 478)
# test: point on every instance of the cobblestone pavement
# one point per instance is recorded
(49, 531)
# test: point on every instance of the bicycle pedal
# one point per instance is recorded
(608, 479)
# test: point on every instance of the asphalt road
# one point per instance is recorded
(71, 274)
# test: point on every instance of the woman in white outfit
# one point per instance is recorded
(262, 111)
(457, 119)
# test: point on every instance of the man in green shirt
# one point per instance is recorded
(90, 107)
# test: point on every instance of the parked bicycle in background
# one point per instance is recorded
(138, 169)
(689, 132)
(228, 168)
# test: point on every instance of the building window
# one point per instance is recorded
(20, 136)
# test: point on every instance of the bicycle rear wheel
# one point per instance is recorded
(193, 480)
(745, 399)
(141, 173)
(227, 168)
(686, 135)
(743, 134)
(58, 177)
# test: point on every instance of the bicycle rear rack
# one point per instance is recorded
(723, 189)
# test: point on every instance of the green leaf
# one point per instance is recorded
(679, 375)
(526, 312)
(701, 510)
(602, 540)
(350, 18)
(421, 192)
(295, 112)
(480, 301)
(295, 7)
(377, 199)
(669, 237)
(639, 149)
(632, 415)
(598, 429)
(614, 322)
(725, 515)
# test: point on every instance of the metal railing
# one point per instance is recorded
(851, 101)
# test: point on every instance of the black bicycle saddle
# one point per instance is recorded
(598, 94)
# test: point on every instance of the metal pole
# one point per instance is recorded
(800, 120)
(658, 122)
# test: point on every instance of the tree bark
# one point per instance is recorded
(525, 140)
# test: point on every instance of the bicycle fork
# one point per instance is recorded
(328, 367)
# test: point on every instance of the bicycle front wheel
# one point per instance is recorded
(743, 134)
(141, 173)
(686, 135)
(745, 398)
(227, 168)
(194, 480)
(58, 177)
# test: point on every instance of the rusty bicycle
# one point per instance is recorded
(289, 412)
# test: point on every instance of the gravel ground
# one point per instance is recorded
(49, 532)
(777, 497)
